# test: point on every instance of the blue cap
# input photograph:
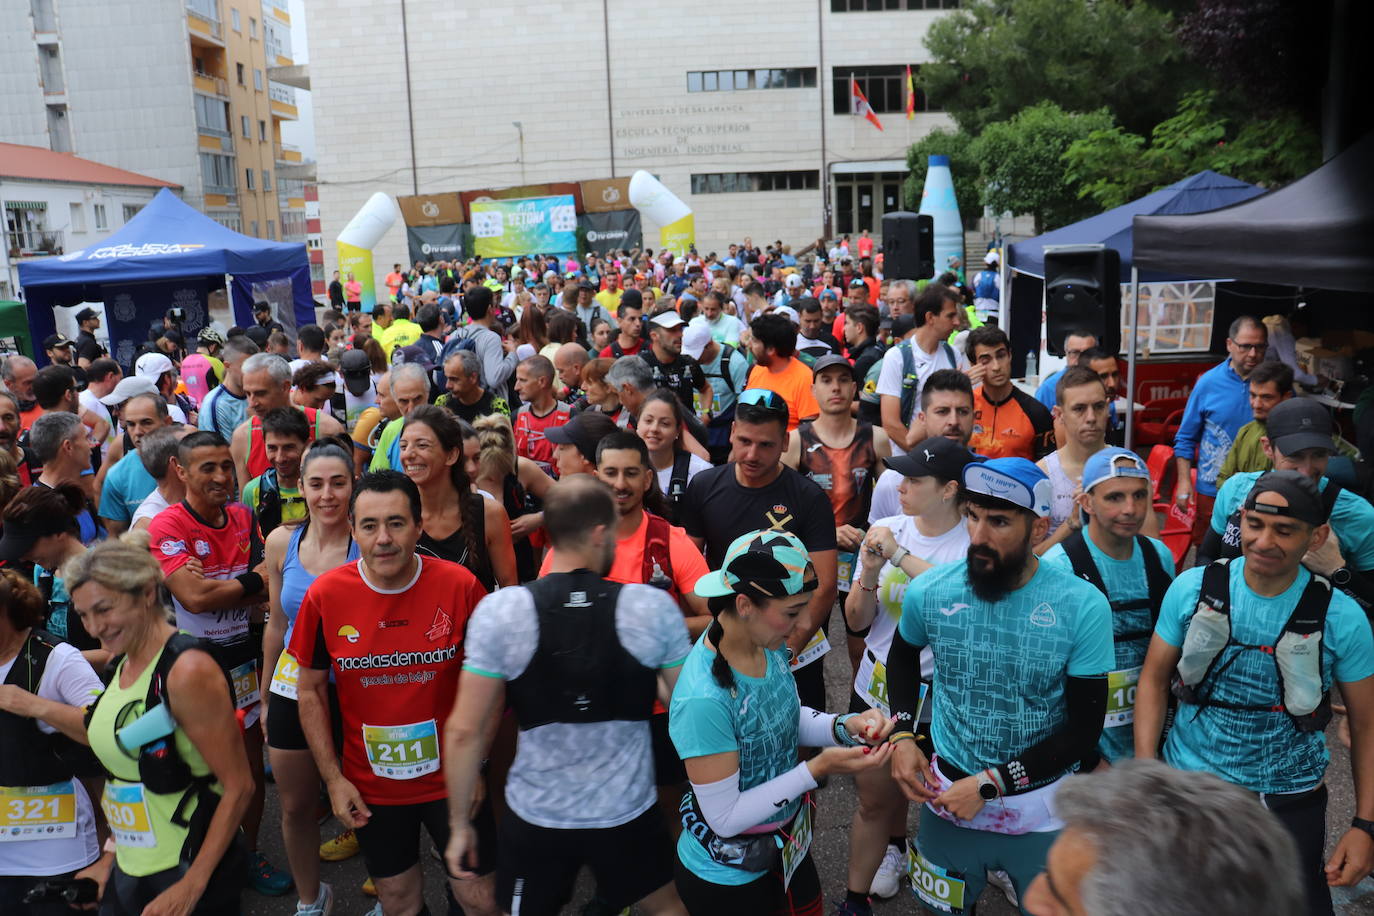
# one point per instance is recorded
(1112, 462)
(1013, 480)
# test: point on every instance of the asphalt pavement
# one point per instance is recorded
(830, 848)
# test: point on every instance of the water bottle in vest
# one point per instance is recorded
(659, 579)
(1207, 636)
(1302, 685)
(1031, 365)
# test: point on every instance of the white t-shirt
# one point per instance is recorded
(885, 500)
(925, 364)
(67, 678)
(892, 583)
(89, 401)
(355, 404)
(694, 467)
(152, 504)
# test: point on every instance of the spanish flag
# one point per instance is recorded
(860, 104)
(910, 95)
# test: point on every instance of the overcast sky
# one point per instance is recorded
(300, 133)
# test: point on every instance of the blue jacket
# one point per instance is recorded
(1045, 393)
(1217, 408)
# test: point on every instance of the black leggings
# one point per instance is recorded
(763, 896)
(1305, 818)
(126, 895)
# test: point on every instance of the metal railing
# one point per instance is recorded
(221, 85)
(284, 94)
(34, 242)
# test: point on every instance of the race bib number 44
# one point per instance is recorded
(284, 678)
(402, 751)
(37, 812)
(936, 887)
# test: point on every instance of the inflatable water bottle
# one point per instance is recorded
(938, 200)
(359, 237)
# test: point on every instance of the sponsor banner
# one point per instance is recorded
(431, 209)
(553, 189)
(131, 307)
(680, 235)
(605, 195)
(435, 243)
(358, 262)
(605, 231)
(526, 226)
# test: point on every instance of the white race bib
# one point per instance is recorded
(37, 812)
(936, 887)
(127, 812)
(813, 650)
(794, 853)
(402, 751)
(245, 679)
(284, 677)
(1121, 686)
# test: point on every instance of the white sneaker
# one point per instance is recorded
(888, 879)
(323, 905)
(1002, 881)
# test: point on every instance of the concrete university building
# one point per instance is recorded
(744, 112)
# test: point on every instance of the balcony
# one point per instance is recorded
(285, 152)
(34, 243)
(297, 76)
(202, 18)
(283, 102)
(210, 85)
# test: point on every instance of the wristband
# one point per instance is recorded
(901, 736)
(251, 582)
(842, 736)
(865, 588)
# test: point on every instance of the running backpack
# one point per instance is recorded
(1297, 653)
(1157, 580)
(657, 567)
(909, 377)
(677, 481)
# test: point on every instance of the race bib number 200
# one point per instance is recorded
(938, 888)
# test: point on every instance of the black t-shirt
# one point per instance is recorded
(683, 376)
(87, 347)
(716, 507)
(483, 406)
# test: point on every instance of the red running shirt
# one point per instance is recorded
(529, 434)
(396, 658)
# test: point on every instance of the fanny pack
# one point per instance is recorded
(752, 852)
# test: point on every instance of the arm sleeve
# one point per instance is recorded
(904, 680)
(1086, 699)
(730, 812)
(816, 728)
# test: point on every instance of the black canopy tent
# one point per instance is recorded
(1315, 232)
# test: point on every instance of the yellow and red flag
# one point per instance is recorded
(910, 95)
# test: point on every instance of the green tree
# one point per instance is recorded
(957, 145)
(1021, 168)
(993, 58)
(1111, 166)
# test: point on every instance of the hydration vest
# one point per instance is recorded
(657, 569)
(677, 481)
(28, 756)
(1296, 652)
(1156, 579)
(580, 672)
(257, 442)
(1230, 538)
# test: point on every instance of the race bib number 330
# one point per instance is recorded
(402, 751)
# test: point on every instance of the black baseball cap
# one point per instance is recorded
(356, 370)
(53, 341)
(1304, 499)
(586, 430)
(934, 457)
(903, 325)
(1299, 423)
(87, 314)
(828, 360)
(19, 538)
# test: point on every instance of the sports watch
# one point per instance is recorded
(1360, 823)
(987, 789)
(898, 556)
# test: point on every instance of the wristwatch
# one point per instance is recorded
(987, 789)
(1360, 823)
(1340, 578)
(898, 556)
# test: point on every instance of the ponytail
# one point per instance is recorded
(720, 668)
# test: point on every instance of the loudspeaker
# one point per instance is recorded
(1082, 292)
(908, 245)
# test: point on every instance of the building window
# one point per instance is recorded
(217, 171)
(227, 220)
(875, 6)
(238, 71)
(740, 80)
(245, 128)
(212, 115)
(262, 131)
(59, 129)
(884, 87)
(100, 221)
(238, 23)
(736, 182)
(271, 229)
(257, 79)
(78, 217)
(131, 210)
(252, 27)
(266, 180)
(250, 179)
(253, 229)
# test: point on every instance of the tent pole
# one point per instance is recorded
(1130, 359)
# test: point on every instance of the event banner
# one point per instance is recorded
(525, 226)
(132, 308)
(356, 264)
(616, 229)
(435, 243)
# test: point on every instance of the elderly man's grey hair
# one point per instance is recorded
(909, 285)
(1186, 844)
(49, 432)
(275, 366)
(631, 370)
(470, 361)
(412, 371)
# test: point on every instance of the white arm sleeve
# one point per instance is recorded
(815, 728)
(730, 812)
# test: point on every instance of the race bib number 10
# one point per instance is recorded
(402, 751)
(937, 888)
(1121, 686)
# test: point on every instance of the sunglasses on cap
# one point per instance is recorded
(764, 398)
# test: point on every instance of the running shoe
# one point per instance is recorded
(266, 878)
(369, 888)
(343, 846)
(323, 905)
(1002, 881)
(888, 879)
(849, 908)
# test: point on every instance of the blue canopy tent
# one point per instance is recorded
(169, 255)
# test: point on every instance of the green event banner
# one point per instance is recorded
(524, 226)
